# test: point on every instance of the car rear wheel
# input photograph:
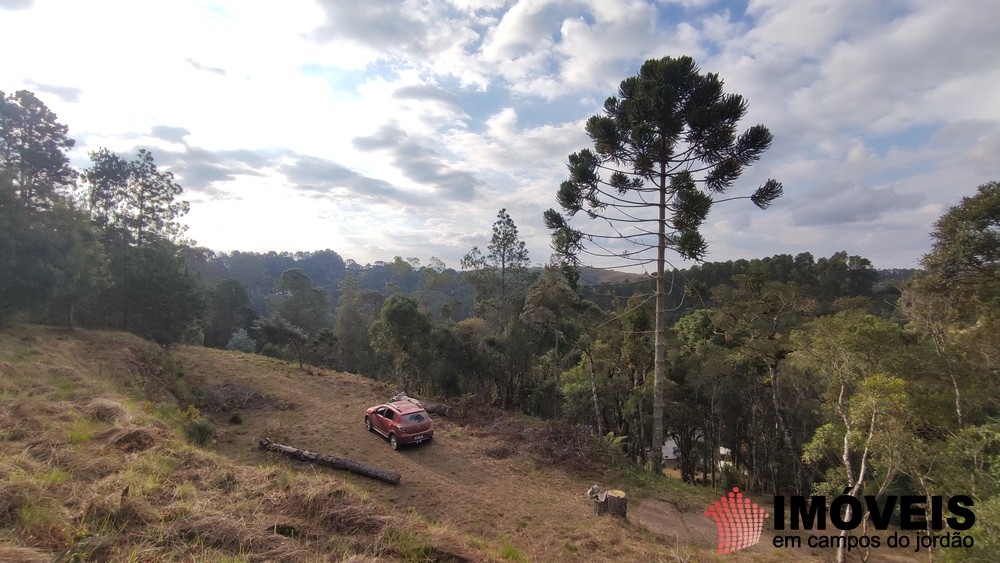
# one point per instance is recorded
(368, 424)
(393, 442)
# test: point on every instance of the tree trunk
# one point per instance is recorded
(801, 476)
(593, 393)
(938, 337)
(660, 344)
(638, 417)
(384, 475)
(69, 315)
(612, 502)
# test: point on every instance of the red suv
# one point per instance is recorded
(402, 422)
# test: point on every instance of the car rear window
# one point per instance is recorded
(415, 417)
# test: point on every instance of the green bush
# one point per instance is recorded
(272, 351)
(200, 430)
(730, 477)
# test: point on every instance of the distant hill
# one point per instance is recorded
(598, 276)
(895, 274)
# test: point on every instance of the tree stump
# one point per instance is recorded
(613, 502)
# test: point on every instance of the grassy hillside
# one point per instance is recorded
(95, 466)
(112, 449)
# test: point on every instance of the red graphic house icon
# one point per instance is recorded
(738, 521)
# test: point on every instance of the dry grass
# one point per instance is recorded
(111, 478)
(94, 466)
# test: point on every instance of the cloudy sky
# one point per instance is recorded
(384, 128)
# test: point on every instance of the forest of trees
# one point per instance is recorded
(818, 374)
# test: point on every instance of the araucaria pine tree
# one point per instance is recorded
(665, 150)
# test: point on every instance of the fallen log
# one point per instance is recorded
(438, 408)
(383, 475)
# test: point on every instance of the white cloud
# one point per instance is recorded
(400, 127)
(691, 3)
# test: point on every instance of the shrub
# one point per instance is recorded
(272, 351)
(105, 410)
(200, 430)
(730, 477)
(241, 341)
